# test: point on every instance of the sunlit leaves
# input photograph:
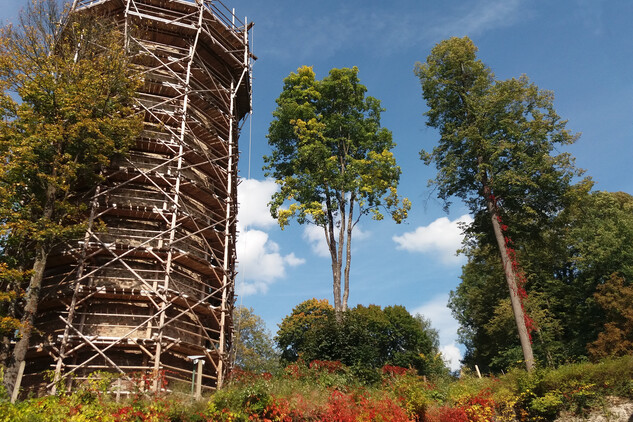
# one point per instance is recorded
(327, 143)
(332, 161)
(616, 339)
(503, 131)
(253, 346)
(73, 117)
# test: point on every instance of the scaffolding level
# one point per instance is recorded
(151, 291)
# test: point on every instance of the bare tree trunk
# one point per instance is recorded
(338, 310)
(32, 295)
(511, 279)
(28, 319)
(336, 264)
(348, 251)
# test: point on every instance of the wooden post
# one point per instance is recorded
(198, 395)
(18, 382)
(477, 369)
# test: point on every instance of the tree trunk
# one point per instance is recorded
(32, 295)
(28, 319)
(328, 228)
(511, 279)
(336, 252)
(348, 251)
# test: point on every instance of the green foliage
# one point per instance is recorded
(576, 254)
(328, 144)
(599, 243)
(76, 89)
(75, 113)
(497, 153)
(499, 133)
(366, 339)
(253, 347)
(10, 293)
(333, 162)
(299, 331)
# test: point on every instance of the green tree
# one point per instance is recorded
(301, 331)
(253, 347)
(333, 162)
(569, 264)
(76, 90)
(366, 339)
(495, 153)
(599, 243)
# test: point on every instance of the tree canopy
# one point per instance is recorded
(333, 162)
(253, 348)
(496, 153)
(366, 339)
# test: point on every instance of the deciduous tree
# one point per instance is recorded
(495, 152)
(333, 162)
(75, 87)
(616, 339)
(571, 290)
(298, 332)
(367, 337)
(253, 347)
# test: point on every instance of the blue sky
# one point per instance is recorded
(580, 49)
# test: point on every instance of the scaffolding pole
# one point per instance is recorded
(152, 279)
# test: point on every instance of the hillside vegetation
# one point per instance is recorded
(327, 391)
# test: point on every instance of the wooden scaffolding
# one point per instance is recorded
(149, 289)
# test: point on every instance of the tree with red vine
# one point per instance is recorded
(497, 139)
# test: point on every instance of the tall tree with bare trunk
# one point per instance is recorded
(333, 162)
(497, 139)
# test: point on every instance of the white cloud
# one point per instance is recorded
(476, 19)
(253, 196)
(293, 261)
(251, 288)
(441, 238)
(360, 234)
(452, 356)
(260, 262)
(437, 311)
(315, 236)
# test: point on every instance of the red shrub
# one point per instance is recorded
(446, 414)
(347, 408)
(394, 370)
(329, 366)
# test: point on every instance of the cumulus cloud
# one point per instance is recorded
(260, 261)
(452, 356)
(441, 238)
(253, 196)
(437, 311)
